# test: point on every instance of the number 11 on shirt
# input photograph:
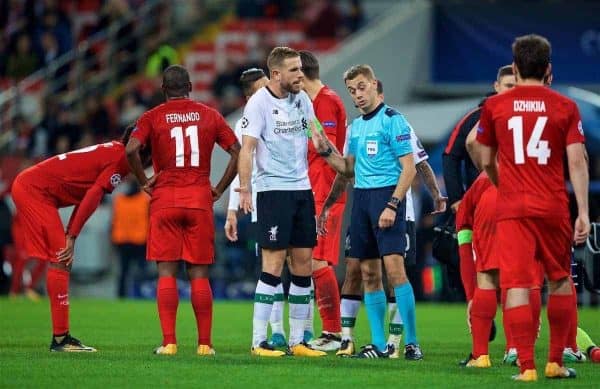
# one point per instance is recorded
(191, 132)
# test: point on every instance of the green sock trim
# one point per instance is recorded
(263, 298)
(396, 329)
(278, 297)
(348, 322)
(293, 299)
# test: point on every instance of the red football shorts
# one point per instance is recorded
(181, 234)
(524, 245)
(42, 232)
(486, 257)
(328, 246)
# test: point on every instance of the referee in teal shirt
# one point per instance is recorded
(379, 157)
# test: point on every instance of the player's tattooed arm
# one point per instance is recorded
(337, 189)
(343, 165)
(339, 186)
(425, 171)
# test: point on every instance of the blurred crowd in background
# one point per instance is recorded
(75, 73)
(36, 33)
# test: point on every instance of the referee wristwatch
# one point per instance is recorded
(326, 153)
(395, 201)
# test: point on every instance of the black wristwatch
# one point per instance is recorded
(326, 153)
(395, 201)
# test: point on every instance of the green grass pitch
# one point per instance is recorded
(126, 332)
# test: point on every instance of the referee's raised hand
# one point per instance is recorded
(245, 199)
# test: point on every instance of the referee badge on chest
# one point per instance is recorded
(372, 147)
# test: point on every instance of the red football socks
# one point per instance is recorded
(520, 321)
(483, 310)
(468, 275)
(202, 302)
(507, 334)
(560, 316)
(167, 300)
(57, 286)
(572, 338)
(327, 295)
(18, 265)
(36, 273)
(535, 300)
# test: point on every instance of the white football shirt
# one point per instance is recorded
(419, 155)
(234, 197)
(280, 126)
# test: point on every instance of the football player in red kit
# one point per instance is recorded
(479, 267)
(80, 178)
(182, 134)
(530, 129)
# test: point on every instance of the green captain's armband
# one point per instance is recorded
(464, 236)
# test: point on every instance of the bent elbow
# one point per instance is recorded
(131, 151)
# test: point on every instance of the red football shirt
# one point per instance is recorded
(329, 109)
(182, 134)
(531, 126)
(67, 177)
(477, 211)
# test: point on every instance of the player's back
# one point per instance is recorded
(67, 177)
(533, 125)
(182, 134)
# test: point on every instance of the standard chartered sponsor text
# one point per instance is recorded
(287, 127)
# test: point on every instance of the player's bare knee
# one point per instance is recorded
(371, 275)
(197, 271)
(272, 267)
(272, 261)
(516, 297)
(353, 286)
(488, 279)
(562, 286)
(167, 269)
(300, 268)
(394, 269)
(60, 266)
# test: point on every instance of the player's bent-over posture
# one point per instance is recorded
(79, 178)
(182, 134)
(526, 133)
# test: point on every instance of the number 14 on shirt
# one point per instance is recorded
(536, 148)
(191, 132)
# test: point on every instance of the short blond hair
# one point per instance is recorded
(280, 54)
(357, 70)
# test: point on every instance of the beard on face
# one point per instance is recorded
(291, 88)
